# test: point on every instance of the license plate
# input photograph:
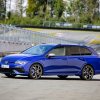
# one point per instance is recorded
(4, 66)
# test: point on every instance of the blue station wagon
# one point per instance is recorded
(53, 59)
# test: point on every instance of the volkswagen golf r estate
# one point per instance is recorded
(53, 59)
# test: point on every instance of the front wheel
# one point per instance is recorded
(35, 71)
(10, 75)
(87, 73)
(62, 76)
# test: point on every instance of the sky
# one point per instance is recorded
(13, 4)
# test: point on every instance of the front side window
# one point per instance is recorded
(59, 51)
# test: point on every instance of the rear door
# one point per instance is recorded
(75, 60)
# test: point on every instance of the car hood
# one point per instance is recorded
(14, 57)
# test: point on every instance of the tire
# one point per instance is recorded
(35, 71)
(87, 73)
(10, 75)
(62, 76)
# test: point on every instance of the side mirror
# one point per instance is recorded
(50, 55)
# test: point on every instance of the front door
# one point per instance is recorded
(58, 64)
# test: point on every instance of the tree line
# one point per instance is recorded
(38, 11)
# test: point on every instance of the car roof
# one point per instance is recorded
(73, 45)
(81, 45)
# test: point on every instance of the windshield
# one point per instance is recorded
(38, 50)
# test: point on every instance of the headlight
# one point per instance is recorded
(21, 62)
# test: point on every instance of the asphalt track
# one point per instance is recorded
(75, 36)
(49, 88)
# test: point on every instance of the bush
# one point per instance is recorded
(78, 25)
(15, 19)
(37, 21)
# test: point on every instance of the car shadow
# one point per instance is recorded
(50, 78)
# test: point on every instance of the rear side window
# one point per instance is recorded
(73, 50)
(85, 51)
(77, 51)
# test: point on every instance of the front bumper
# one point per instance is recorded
(17, 71)
(13, 68)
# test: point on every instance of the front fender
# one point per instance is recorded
(37, 60)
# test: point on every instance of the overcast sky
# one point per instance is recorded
(13, 4)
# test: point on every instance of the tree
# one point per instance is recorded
(83, 10)
(46, 7)
(32, 8)
(59, 8)
(2, 8)
(44, 4)
(19, 7)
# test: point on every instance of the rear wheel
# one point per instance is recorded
(35, 71)
(10, 75)
(62, 76)
(87, 73)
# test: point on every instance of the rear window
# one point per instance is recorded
(85, 51)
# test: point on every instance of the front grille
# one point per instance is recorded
(11, 70)
(6, 70)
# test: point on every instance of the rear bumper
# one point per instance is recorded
(17, 71)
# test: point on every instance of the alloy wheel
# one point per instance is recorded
(87, 73)
(35, 71)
